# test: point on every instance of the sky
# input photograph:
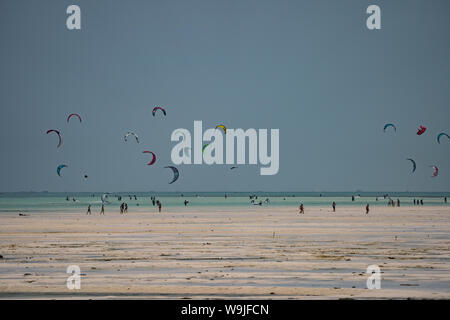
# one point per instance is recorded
(311, 69)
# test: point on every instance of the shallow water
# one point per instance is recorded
(45, 201)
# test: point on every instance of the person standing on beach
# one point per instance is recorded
(445, 200)
(102, 211)
(125, 208)
(367, 208)
(121, 208)
(334, 206)
(159, 205)
(302, 210)
(398, 202)
(89, 209)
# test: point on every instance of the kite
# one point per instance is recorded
(156, 108)
(435, 172)
(421, 130)
(59, 136)
(413, 163)
(233, 168)
(153, 159)
(72, 115)
(132, 134)
(104, 197)
(204, 147)
(440, 135)
(222, 127)
(176, 174)
(58, 170)
(389, 125)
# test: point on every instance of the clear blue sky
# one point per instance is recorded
(309, 68)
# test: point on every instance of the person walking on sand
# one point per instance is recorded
(334, 206)
(398, 202)
(301, 208)
(159, 206)
(89, 209)
(102, 211)
(367, 208)
(121, 208)
(125, 208)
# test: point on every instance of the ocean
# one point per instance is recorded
(70, 202)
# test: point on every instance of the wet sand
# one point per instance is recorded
(232, 253)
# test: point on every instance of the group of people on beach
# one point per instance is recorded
(253, 200)
(123, 208)
(124, 205)
(102, 210)
(157, 203)
(333, 206)
(391, 202)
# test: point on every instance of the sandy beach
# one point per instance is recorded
(209, 253)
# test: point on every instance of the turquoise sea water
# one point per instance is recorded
(45, 201)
